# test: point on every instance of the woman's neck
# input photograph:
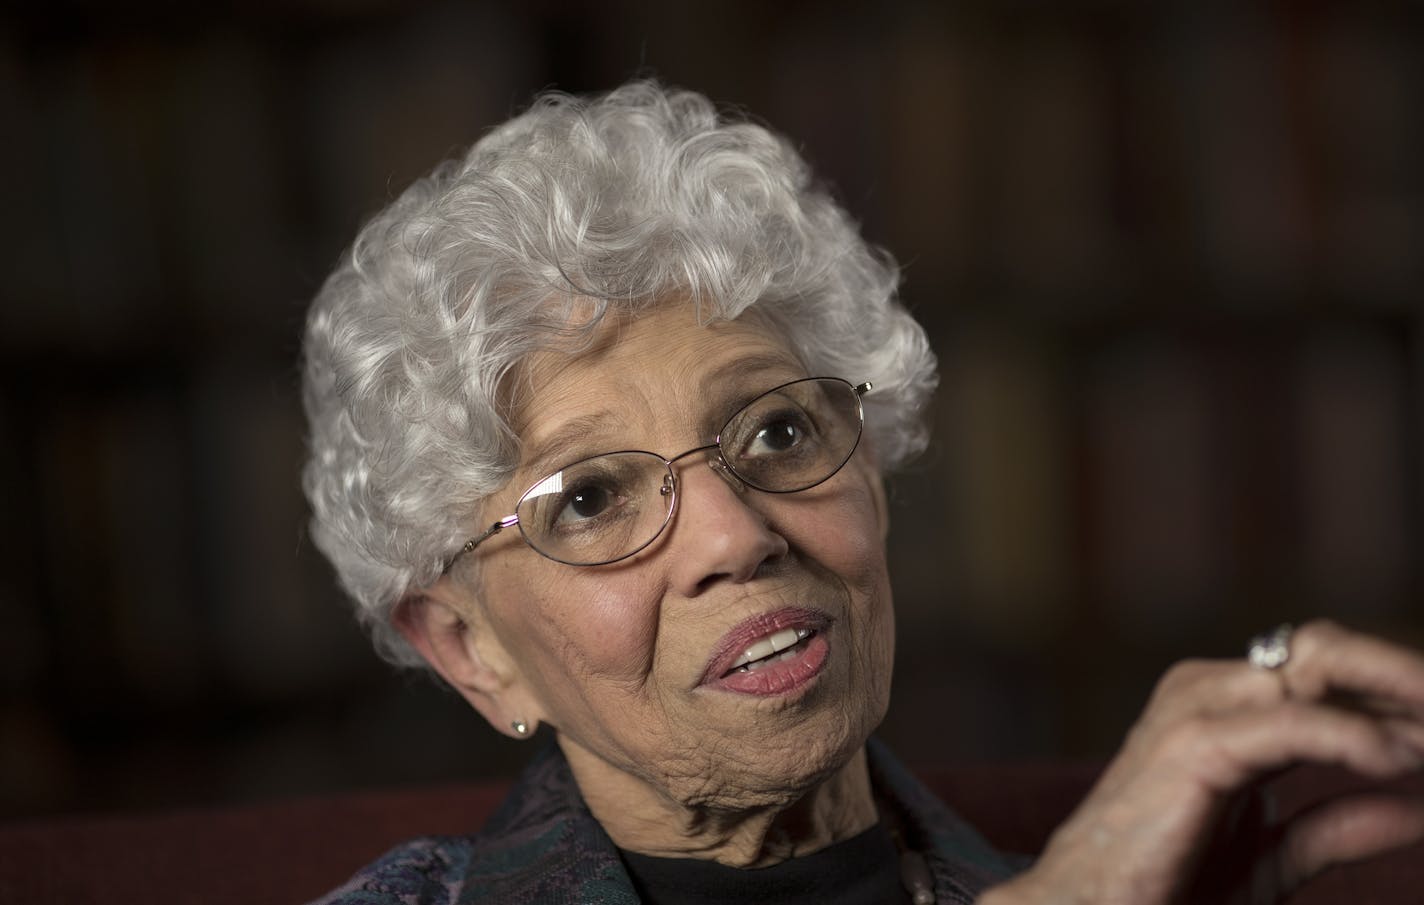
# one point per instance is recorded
(639, 818)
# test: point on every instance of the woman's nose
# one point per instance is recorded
(717, 536)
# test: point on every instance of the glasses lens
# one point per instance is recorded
(795, 436)
(597, 510)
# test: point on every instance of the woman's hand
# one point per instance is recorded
(1176, 819)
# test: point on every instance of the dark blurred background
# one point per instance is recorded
(1170, 256)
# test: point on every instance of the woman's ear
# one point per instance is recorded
(443, 625)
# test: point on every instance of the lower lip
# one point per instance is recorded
(783, 676)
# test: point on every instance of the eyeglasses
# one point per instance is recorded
(607, 507)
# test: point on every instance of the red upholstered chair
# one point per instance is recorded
(290, 852)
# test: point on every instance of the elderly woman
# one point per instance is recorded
(599, 418)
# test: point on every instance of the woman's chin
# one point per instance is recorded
(778, 776)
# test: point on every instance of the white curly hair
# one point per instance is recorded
(577, 207)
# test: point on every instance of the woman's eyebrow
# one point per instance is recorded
(756, 365)
(737, 383)
(569, 442)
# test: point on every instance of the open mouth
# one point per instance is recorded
(772, 654)
(786, 644)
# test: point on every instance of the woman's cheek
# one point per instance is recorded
(849, 549)
(612, 626)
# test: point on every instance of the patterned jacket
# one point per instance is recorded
(543, 845)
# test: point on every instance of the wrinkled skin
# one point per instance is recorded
(613, 656)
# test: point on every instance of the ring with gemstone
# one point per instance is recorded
(1270, 650)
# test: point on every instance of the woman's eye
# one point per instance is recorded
(586, 502)
(779, 433)
(777, 436)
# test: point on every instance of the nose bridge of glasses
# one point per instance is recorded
(716, 462)
(692, 452)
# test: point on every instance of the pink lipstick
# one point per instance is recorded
(771, 654)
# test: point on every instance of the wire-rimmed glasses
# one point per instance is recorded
(608, 507)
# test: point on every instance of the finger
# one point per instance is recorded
(1346, 830)
(1407, 728)
(1226, 751)
(1214, 687)
(1195, 687)
(1326, 658)
(1327, 663)
(1410, 731)
(1370, 703)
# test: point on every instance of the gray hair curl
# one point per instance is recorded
(570, 210)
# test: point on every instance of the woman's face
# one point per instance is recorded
(633, 661)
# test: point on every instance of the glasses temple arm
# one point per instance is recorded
(509, 521)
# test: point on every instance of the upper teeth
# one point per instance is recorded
(771, 644)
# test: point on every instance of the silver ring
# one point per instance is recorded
(1270, 650)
